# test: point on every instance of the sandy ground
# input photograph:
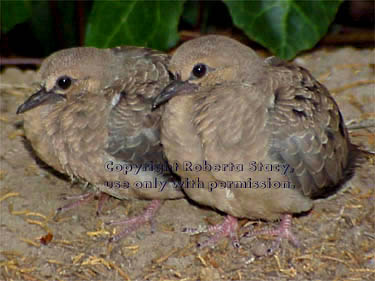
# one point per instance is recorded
(338, 235)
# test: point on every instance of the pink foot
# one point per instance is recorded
(134, 223)
(103, 197)
(282, 232)
(226, 229)
(83, 199)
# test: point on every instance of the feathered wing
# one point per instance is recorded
(133, 128)
(289, 119)
(308, 131)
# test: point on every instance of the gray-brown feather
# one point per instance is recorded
(308, 132)
(105, 116)
(133, 128)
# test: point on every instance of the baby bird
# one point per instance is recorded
(92, 119)
(263, 137)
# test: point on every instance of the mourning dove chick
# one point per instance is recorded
(253, 138)
(92, 120)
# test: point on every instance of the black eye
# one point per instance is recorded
(199, 70)
(64, 82)
(171, 76)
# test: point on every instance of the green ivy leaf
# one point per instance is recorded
(137, 22)
(14, 12)
(42, 26)
(191, 13)
(285, 27)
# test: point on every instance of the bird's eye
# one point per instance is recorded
(199, 70)
(171, 76)
(64, 82)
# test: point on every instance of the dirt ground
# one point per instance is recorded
(338, 235)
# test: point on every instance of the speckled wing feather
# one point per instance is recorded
(308, 131)
(134, 130)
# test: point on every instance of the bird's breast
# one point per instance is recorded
(70, 137)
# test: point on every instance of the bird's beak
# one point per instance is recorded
(176, 87)
(39, 98)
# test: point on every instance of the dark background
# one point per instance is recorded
(61, 24)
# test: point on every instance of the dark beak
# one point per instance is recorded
(39, 98)
(176, 87)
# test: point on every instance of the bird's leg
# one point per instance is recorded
(227, 228)
(133, 223)
(282, 232)
(103, 197)
(78, 200)
(82, 199)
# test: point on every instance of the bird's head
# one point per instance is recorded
(208, 61)
(70, 73)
